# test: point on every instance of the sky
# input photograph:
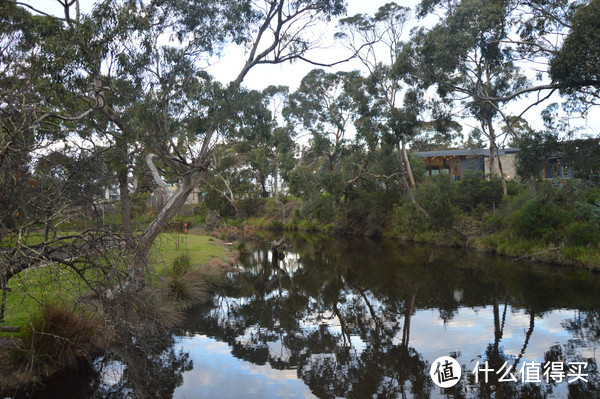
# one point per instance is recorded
(227, 65)
(291, 74)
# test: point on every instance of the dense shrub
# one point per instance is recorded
(321, 207)
(407, 219)
(582, 234)
(474, 190)
(438, 197)
(539, 217)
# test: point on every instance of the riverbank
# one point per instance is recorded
(502, 243)
(185, 269)
(556, 223)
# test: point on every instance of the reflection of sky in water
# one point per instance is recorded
(217, 373)
(332, 308)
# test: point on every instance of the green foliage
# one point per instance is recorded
(438, 197)
(417, 164)
(573, 66)
(474, 191)
(407, 219)
(366, 211)
(181, 265)
(583, 155)
(247, 207)
(539, 218)
(534, 150)
(582, 234)
(321, 208)
(303, 182)
(215, 201)
(188, 288)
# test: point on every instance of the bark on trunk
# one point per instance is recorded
(504, 188)
(136, 269)
(404, 181)
(495, 156)
(275, 182)
(125, 206)
(408, 168)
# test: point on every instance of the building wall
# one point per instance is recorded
(509, 165)
(509, 168)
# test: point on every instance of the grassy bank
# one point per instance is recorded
(65, 326)
(553, 221)
(59, 284)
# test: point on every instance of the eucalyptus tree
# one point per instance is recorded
(282, 144)
(266, 144)
(328, 107)
(377, 42)
(246, 153)
(190, 113)
(139, 65)
(478, 54)
(325, 110)
(45, 177)
(464, 55)
(576, 65)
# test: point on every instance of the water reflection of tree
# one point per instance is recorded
(343, 320)
(585, 330)
(148, 371)
(133, 371)
(317, 320)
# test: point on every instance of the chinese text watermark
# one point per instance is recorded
(446, 372)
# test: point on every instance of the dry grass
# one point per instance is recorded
(189, 288)
(60, 338)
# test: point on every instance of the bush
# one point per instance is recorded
(582, 234)
(438, 197)
(407, 218)
(541, 218)
(61, 338)
(188, 288)
(474, 190)
(321, 208)
(248, 207)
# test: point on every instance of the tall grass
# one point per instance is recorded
(60, 338)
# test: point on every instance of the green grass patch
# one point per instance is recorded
(170, 246)
(61, 285)
(32, 288)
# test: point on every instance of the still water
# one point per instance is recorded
(368, 319)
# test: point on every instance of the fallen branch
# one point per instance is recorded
(538, 253)
(10, 329)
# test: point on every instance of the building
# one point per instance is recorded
(455, 163)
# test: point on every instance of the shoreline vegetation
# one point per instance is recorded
(62, 331)
(556, 222)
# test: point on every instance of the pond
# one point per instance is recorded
(369, 319)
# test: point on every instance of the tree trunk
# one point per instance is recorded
(408, 168)
(407, 316)
(493, 148)
(125, 205)
(275, 182)
(495, 155)
(263, 185)
(404, 181)
(504, 188)
(137, 265)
